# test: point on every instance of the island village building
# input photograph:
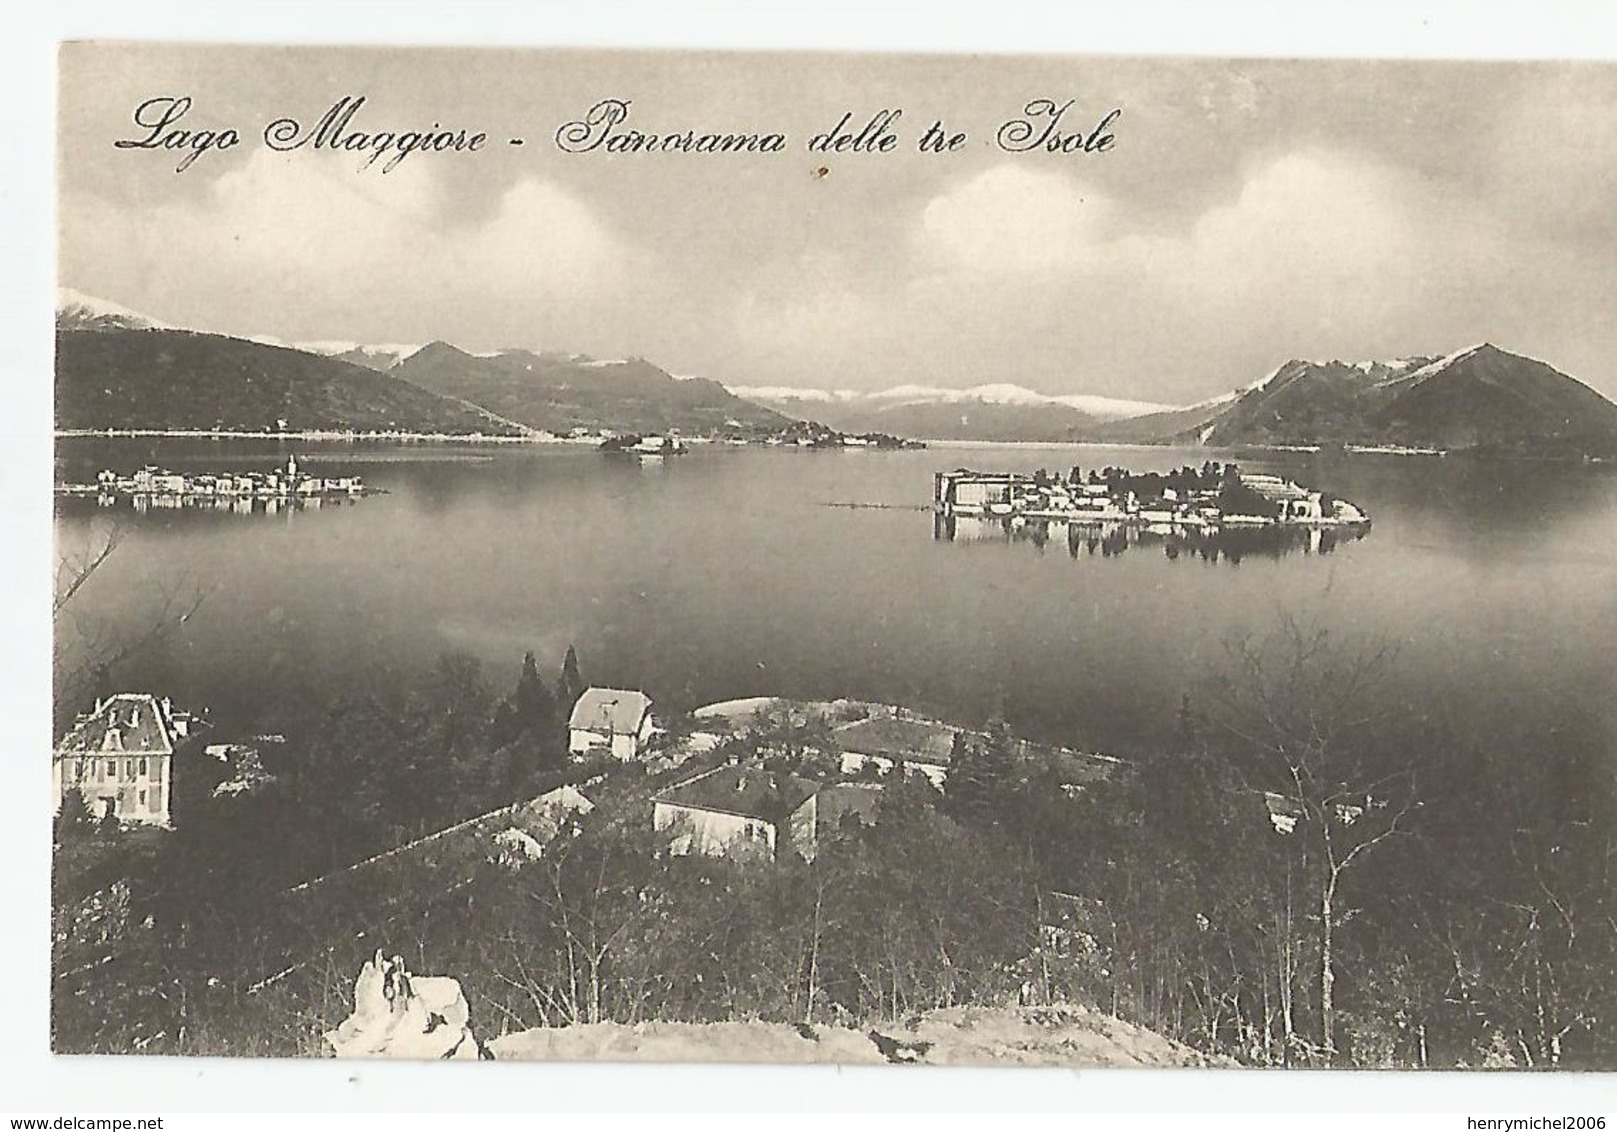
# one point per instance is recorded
(285, 482)
(612, 720)
(120, 757)
(1019, 496)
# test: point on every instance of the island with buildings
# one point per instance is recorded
(797, 434)
(1208, 498)
(153, 487)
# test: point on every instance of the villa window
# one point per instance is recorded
(143, 798)
(129, 768)
(143, 768)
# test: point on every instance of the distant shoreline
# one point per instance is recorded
(318, 434)
(593, 442)
(1148, 446)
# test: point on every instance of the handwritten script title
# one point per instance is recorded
(172, 125)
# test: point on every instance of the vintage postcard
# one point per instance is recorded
(809, 557)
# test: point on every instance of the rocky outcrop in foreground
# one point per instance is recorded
(397, 1014)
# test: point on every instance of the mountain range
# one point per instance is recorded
(983, 412)
(1481, 398)
(119, 369)
(162, 379)
(559, 392)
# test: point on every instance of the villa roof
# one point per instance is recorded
(748, 792)
(612, 710)
(913, 740)
(130, 721)
(542, 818)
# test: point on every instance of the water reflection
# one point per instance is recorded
(721, 574)
(1108, 540)
(144, 503)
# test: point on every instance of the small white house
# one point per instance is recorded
(747, 812)
(610, 720)
(536, 824)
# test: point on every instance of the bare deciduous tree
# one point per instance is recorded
(1300, 710)
(88, 645)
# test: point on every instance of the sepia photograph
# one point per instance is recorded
(838, 558)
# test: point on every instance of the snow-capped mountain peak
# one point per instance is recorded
(372, 355)
(1108, 408)
(1429, 366)
(77, 311)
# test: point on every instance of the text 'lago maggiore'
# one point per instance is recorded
(1045, 125)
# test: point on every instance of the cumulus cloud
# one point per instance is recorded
(1014, 218)
(1250, 211)
(543, 237)
(1314, 215)
(1315, 251)
(1314, 238)
(319, 240)
(1016, 272)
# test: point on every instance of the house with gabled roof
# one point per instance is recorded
(120, 757)
(610, 720)
(739, 811)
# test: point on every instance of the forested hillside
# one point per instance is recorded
(174, 379)
(1279, 885)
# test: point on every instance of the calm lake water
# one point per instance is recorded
(730, 573)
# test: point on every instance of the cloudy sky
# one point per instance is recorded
(1248, 213)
